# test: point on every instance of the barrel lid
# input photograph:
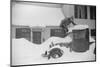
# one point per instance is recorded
(78, 27)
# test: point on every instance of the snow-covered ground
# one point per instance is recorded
(25, 52)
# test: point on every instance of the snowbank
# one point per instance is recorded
(25, 52)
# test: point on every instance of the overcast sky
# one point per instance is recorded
(33, 15)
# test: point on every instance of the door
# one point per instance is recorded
(36, 37)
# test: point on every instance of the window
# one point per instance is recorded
(92, 12)
(58, 32)
(23, 33)
(80, 12)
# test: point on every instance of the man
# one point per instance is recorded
(66, 22)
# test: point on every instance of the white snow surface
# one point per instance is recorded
(25, 52)
(78, 27)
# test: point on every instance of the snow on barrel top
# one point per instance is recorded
(78, 27)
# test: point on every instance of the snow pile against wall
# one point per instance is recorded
(34, 15)
(25, 52)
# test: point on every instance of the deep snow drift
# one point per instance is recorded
(25, 52)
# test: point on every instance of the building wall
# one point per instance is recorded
(45, 34)
(90, 23)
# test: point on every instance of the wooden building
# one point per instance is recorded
(36, 34)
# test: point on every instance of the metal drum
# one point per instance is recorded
(80, 40)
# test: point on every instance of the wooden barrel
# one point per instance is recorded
(80, 40)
